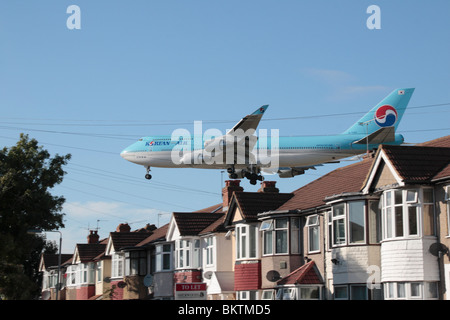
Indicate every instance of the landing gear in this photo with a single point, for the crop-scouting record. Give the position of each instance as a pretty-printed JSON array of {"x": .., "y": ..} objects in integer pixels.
[
  {"x": 253, "y": 174},
  {"x": 148, "y": 176}
]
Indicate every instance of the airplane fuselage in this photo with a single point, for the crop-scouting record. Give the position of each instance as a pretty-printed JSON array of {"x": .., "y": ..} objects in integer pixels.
[{"x": 156, "y": 151}]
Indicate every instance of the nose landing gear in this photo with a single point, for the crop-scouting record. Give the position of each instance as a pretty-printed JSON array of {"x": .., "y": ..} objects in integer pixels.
[{"x": 148, "y": 176}]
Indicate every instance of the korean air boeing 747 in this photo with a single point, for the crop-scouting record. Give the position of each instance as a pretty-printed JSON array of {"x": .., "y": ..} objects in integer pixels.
[{"x": 246, "y": 155}]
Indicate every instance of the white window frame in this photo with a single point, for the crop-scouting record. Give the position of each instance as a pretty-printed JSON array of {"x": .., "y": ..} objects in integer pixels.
[
  {"x": 313, "y": 225},
  {"x": 416, "y": 206},
  {"x": 209, "y": 250},
  {"x": 244, "y": 245},
  {"x": 162, "y": 251},
  {"x": 286, "y": 293},
  {"x": 117, "y": 265},
  {"x": 334, "y": 219},
  {"x": 268, "y": 294},
  {"x": 187, "y": 253}
]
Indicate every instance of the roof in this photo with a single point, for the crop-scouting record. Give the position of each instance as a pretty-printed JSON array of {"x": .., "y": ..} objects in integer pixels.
[
  {"x": 89, "y": 251},
  {"x": 217, "y": 208},
  {"x": 192, "y": 223},
  {"x": 439, "y": 142},
  {"x": 51, "y": 260},
  {"x": 252, "y": 203},
  {"x": 306, "y": 274},
  {"x": 417, "y": 164},
  {"x": 344, "y": 179},
  {"x": 122, "y": 240},
  {"x": 157, "y": 235}
]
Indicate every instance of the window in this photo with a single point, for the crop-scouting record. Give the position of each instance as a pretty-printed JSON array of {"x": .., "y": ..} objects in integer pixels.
[
  {"x": 411, "y": 290},
  {"x": 117, "y": 265},
  {"x": 99, "y": 271},
  {"x": 246, "y": 241},
  {"x": 163, "y": 257},
  {"x": 267, "y": 227},
  {"x": 286, "y": 294},
  {"x": 295, "y": 235},
  {"x": 374, "y": 221},
  {"x": 428, "y": 212},
  {"x": 187, "y": 253},
  {"x": 281, "y": 235},
  {"x": 136, "y": 263},
  {"x": 71, "y": 275},
  {"x": 247, "y": 295},
  {"x": 268, "y": 295},
  {"x": 209, "y": 250},
  {"x": 356, "y": 219},
  {"x": 338, "y": 224},
  {"x": 340, "y": 293},
  {"x": 401, "y": 213},
  {"x": 358, "y": 292},
  {"x": 309, "y": 293},
  {"x": 312, "y": 224}
]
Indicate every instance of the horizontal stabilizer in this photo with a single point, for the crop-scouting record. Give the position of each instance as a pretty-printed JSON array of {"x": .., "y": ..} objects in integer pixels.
[{"x": 382, "y": 135}]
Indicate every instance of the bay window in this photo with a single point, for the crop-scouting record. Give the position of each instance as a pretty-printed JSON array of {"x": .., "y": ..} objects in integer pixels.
[
  {"x": 408, "y": 213},
  {"x": 135, "y": 263},
  {"x": 187, "y": 253},
  {"x": 338, "y": 224},
  {"x": 281, "y": 236}
]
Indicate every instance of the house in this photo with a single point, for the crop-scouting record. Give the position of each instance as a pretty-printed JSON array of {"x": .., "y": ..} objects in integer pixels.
[
  {"x": 129, "y": 264},
  {"x": 411, "y": 184},
  {"x": 81, "y": 273},
  {"x": 242, "y": 221},
  {"x": 48, "y": 266}
]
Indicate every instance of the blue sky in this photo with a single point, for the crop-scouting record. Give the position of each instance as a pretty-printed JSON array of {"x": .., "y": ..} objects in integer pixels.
[{"x": 138, "y": 68}]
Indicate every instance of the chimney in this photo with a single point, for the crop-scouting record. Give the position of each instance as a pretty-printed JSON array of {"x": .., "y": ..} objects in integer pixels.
[
  {"x": 268, "y": 186},
  {"x": 92, "y": 237},
  {"x": 230, "y": 187},
  {"x": 123, "y": 227}
]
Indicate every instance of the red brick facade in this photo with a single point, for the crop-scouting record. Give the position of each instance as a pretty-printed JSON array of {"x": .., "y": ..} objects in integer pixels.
[
  {"x": 85, "y": 292},
  {"x": 187, "y": 276}
]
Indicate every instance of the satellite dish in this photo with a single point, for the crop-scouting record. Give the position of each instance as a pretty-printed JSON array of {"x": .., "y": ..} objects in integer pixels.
[
  {"x": 121, "y": 284},
  {"x": 148, "y": 280},
  {"x": 273, "y": 276},
  {"x": 437, "y": 249},
  {"x": 107, "y": 280},
  {"x": 45, "y": 295},
  {"x": 207, "y": 275}
]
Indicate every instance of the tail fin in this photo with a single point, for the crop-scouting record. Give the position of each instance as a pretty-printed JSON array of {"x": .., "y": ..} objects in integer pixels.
[{"x": 387, "y": 113}]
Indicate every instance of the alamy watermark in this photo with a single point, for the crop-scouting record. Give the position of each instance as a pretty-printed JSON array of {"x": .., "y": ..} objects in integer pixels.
[{"x": 236, "y": 147}]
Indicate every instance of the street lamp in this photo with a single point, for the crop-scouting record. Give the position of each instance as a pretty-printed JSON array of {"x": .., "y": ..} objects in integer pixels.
[{"x": 39, "y": 231}]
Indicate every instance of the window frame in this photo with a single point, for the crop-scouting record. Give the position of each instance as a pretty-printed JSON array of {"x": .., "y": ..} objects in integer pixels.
[
  {"x": 311, "y": 226},
  {"x": 247, "y": 246}
]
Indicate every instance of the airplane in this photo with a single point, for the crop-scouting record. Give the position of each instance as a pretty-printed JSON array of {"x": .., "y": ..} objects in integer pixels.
[{"x": 245, "y": 155}]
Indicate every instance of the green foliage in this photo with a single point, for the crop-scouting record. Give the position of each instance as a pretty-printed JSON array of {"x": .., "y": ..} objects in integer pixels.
[{"x": 27, "y": 173}]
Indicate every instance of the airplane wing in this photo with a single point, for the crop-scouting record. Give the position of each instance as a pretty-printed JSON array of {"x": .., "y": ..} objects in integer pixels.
[
  {"x": 241, "y": 137},
  {"x": 250, "y": 121}
]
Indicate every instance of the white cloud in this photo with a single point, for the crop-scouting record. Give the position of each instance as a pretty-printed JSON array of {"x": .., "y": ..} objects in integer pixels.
[
  {"x": 341, "y": 84},
  {"x": 106, "y": 216}
]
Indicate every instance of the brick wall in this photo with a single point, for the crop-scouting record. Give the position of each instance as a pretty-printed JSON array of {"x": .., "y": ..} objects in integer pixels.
[
  {"x": 85, "y": 292},
  {"x": 187, "y": 276}
]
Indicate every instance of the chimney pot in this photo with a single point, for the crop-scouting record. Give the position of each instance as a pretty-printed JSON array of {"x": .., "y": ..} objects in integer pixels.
[
  {"x": 92, "y": 237},
  {"x": 123, "y": 227},
  {"x": 227, "y": 192},
  {"x": 268, "y": 186}
]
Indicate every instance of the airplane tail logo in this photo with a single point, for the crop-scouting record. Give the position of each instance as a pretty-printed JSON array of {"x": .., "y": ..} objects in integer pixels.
[{"x": 386, "y": 116}]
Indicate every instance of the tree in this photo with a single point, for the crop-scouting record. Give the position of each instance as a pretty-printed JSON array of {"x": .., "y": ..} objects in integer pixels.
[{"x": 27, "y": 173}]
